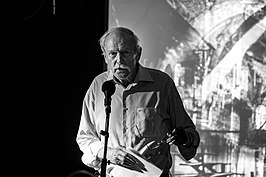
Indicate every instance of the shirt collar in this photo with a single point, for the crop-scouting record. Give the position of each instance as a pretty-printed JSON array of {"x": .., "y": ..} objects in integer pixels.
[{"x": 143, "y": 75}]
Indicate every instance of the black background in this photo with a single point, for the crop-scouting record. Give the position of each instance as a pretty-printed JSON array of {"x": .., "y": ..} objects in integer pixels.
[{"x": 48, "y": 63}]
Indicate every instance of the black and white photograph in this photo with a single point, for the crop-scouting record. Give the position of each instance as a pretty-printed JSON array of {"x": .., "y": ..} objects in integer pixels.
[{"x": 134, "y": 88}]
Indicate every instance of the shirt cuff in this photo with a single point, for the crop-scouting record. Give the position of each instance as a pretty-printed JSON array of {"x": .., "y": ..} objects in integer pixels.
[
  {"x": 193, "y": 138},
  {"x": 90, "y": 158},
  {"x": 95, "y": 148}
]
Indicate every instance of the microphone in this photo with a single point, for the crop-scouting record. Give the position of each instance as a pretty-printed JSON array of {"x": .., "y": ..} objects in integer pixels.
[{"x": 108, "y": 88}]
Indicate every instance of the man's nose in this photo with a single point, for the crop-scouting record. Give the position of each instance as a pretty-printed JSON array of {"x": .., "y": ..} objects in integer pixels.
[{"x": 119, "y": 58}]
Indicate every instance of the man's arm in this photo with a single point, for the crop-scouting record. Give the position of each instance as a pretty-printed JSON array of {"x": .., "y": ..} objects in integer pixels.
[
  {"x": 87, "y": 137},
  {"x": 184, "y": 133}
]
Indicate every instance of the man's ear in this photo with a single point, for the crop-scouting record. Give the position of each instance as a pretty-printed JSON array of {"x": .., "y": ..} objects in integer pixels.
[
  {"x": 105, "y": 58},
  {"x": 138, "y": 54}
]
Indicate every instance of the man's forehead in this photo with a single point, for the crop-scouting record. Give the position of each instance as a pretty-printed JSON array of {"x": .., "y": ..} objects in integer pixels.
[{"x": 116, "y": 39}]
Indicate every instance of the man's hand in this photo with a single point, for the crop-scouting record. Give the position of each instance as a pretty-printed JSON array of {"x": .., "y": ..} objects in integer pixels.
[
  {"x": 178, "y": 136},
  {"x": 118, "y": 156}
]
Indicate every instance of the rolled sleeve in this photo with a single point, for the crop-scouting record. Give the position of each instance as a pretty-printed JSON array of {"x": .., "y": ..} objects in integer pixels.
[
  {"x": 89, "y": 157},
  {"x": 189, "y": 150},
  {"x": 194, "y": 138}
]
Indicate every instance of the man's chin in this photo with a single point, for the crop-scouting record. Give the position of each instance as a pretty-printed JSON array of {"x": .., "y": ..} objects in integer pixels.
[{"x": 121, "y": 76}]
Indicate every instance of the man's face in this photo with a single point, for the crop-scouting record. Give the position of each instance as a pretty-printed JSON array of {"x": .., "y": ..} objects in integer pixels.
[{"x": 121, "y": 55}]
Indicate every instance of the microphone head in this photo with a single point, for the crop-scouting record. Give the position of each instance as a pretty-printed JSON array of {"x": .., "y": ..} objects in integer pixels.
[{"x": 108, "y": 87}]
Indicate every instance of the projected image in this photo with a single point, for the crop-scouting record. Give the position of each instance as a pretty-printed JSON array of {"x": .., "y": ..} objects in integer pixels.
[{"x": 215, "y": 50}]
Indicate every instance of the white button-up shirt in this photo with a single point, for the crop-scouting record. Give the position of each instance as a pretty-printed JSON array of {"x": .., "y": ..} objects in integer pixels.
[{"x": 141, "y": 115}]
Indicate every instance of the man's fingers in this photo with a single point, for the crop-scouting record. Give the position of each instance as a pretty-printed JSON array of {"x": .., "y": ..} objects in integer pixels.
[
  {"x": 123, "y": 158},
  {"x": 170, "y": 140},
  {"x": 127, "y": 163},
  {"x": 131, "y": 158},
  {"x": 128, "y": 160}
]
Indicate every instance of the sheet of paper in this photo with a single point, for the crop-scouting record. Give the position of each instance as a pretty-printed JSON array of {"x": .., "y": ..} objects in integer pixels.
[{"x": 142, "y": 168}]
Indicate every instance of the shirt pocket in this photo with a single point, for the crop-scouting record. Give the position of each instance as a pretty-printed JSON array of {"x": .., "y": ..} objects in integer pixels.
[{"x": 148, "y": 122}]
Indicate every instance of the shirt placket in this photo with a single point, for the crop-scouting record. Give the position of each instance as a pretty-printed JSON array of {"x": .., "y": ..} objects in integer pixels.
[
  {"x": 124, "y": 119},
  {"x": 126, "y": 116}
]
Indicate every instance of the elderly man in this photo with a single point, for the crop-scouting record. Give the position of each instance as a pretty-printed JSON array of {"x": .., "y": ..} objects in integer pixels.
[{"x": 147, "y": 112}]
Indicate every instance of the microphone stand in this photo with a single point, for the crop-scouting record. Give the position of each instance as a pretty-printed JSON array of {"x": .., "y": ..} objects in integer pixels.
[{"x": 107, "y": 103}]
